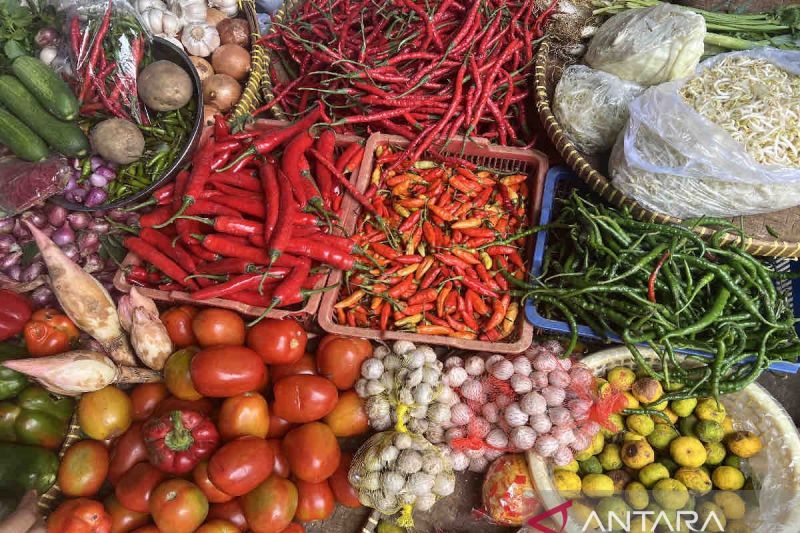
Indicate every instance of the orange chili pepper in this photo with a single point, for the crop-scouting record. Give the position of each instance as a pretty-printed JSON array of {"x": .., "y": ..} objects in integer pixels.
[
  {"x": 431, "y": 329},
  {"x": 376, "y": 303},
  {"x": 426, "y": 264},
  {"x": 515, "y": 179},
  {"x": 429, "y": 233},
  {"x": 340, "y": 317},
  {"x": 351, "y": 300},
  {"x": 442, "y": 297},
  {"x": 386, "y": 312},
  {"x": 468, "y": 257},
  {"x": 468, "y": 224},
  {"x": 467, "y": 335},
  {"x": 477, "y": 302},
  {"x": 423, "y": 297},
  {"x": 412, "y": 203}
]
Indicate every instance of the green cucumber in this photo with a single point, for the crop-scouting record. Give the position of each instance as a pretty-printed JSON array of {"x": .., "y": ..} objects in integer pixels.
[
  {"x": 20, "y": 139},
  {"x": 64, "y": 137},
  {"x": 47, "y": 86}
]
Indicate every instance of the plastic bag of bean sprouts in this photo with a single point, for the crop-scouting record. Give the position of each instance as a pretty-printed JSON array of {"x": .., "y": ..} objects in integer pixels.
[{"x": 723, "y": 142}]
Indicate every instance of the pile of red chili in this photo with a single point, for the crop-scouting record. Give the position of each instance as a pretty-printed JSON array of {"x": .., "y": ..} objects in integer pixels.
[
  {"x": 421, "y": 70},
  {"x": 448, "y": 241},
  {"x": 250, "y": 220}
]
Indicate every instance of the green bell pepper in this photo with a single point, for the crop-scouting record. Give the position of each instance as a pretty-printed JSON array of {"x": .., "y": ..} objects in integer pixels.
[
  {"x": 11, "y": 381},
  {"x": 23, "y": 468},
  {"x": 36, "y": 417}
]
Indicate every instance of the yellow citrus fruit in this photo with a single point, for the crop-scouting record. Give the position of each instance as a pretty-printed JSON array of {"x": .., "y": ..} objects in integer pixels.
[
  {"x": 633, "y": 403},
  {"x": 670, "y": 494},
  {"x": 652, "y": 474},
  {"x": 688, "y": 451},
  {"x": 662, "y": 436},
  {"x": 621, "y": 478},
  {"x": 568, "y": 484},
  {"x": 610, "y": 458},
  {"x": 637, "y": 454},
  {"x": 731, "y": 504},
  {"x": 708, "y": 431},
  {"x": 597, "y": 486},
  {"x": 710, "y": 409},
  {"x": 711, "y": 517},
  {"x": 744, "y": 444},
  {"x": 621, "y": 378},
  {"x": 636, "y": 495},
  {"x": 695, "y": 479},
  {"x": 641, "y": 424},
  {"x": 727, "y": 478},
  {"x": 572, "y": 466},
  {"x": 683, "y": 407},
  {"x": 716, "y": 453}
]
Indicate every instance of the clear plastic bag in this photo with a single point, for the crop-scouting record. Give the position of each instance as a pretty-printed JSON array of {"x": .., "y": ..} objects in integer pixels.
[
  {"x": 592, "y": 107},
  {"x": 649, "y": 46},
  {"x": 24, "y": 184},
  {"x": 673, "y": 160}
]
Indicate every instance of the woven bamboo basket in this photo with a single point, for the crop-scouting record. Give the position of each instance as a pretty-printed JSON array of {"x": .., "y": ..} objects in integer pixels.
[
  {"x": 757, "y": 229},
  {"x": 776, "y": 469},
  {"x": 251, "y": 92},
  {"x": 50, "y": 499},
  {"x": 272, "y": 64}
]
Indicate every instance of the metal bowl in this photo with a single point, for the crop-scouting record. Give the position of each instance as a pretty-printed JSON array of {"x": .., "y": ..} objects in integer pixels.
[{"x": 161, "y": 49}]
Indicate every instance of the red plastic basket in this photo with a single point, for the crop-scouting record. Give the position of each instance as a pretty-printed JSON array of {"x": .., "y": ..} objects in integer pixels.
[{"x": 499, "y": 158}]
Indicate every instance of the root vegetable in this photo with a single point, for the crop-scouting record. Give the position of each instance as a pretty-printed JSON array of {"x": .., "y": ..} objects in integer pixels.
[
  {"x": 221, "y": 91},
  {"x": 164, "y": 86},
  {"x": 149, "y": 336},
  {"x": 203, "y": 68},
  {"x": 118, "y": 140},
  {"x": 234, "y": 31}
]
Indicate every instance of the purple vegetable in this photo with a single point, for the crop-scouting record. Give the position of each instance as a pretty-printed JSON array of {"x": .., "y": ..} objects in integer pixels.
[
  {"x": 71, "y": 184},
  {"x": 105, "y": 172},
  {"x": 93, "y": 264},
  {"x": 10, "y": 260},
  {"x": 78, "y": 221},
  {"x": 88, "y": 242},
  {"x": 42, "y": 296},
  {"x": 46, "y": 37},
  {"x": 8, "y": 243},
  {"x": 6, "y": 225},
  {"x": 100, "y": 225},
  {"x": 97, "y": 180},
  {"x": 56, "y": 215},
  {"x": 117, "y": 215},
  {"x": 76, "y": 195},
  {"x": 71, "y": 251},
  {"x": 63, "y": 235},
  {"x": 33, "y": 271},
  {"x": 14, "y": 272},
  {"x": 21, "y": 232},
  {"x": 48, "y": 230},
  {"x": 132, "y": 220},
  {"x": 96, "y": 162},
  {"x": 37, "y": 218},
  {"x": 95, "y": 197}
]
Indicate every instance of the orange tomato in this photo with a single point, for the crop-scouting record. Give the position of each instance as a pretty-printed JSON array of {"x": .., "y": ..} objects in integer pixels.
[
  {"x": 123, "y": 520},
  {"x": 49, "y": 332},
  {"x": 213, "y": 327},
  {"x": 105, "y": 413},
  {"x": 177, "y": 376},
  {"x": 294, "y": 527},
  {"x": 79, "y": 516},
  {"x": 304, "y": 398},
  {"x": 349, "y": 417},
  {"x": 83, "y": 468},
  {"x": 145, "y": 398},
  {"x": 178, "y": 506},
  {"x": 278, "y": 341},
  {"x": 339, "y": 359},
  {"x": 240, "y": 465},
  {"x": 271, "y": 505},
  {"x": 218, "y": 526},
  {"x": 243, "y": 414},
  {"x": 315, "y": 501},
  {"x": 340, "y": 483},
  {"x": 312, "y": 451},
  {"x": 213, "y": 494},
  {"x": 178, "y": 321}
]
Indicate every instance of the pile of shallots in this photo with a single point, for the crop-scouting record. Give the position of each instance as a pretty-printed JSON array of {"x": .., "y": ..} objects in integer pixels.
[{"x": 516, "y": 403}]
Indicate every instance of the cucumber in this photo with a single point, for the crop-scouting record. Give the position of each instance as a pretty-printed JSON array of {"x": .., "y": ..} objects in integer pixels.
[
  {"x": 63, "y": 137},
  {"x": 20, "y": 139},
  {"x": 48, "y": 88}
]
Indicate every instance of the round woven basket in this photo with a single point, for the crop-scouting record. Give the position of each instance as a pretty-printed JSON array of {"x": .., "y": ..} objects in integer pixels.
[
  {"x": 272, "y": 66},
  {"x": 757, "y": 228},
  {"x": 776, "y": 469},
  {"x": 251, "y": 92},
  {"x": 50, "y": 499}
]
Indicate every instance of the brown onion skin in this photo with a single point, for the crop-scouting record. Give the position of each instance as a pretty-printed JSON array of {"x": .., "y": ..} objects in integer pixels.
[
  {"x": 231, "y": 59},
  {"x": 221, "y": 91},
  {"x": 203, "y": 68},
  {"x": 234, "y": 31}
]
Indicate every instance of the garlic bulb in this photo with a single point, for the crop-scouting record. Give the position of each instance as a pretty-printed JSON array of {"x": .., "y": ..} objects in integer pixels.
[
  {"x": 144, "y": 5},
  {"x": 490, "y": 412},
  {"x": 420, "y": 483},
  {"x": 444, "y": 485},
  {"x": 539, "y": 379},
  {"x": 409, "y": 462},
  {"x": 372, "y": 368},
  {"x": 514, "y": 416},
  {"x": 554, "y": 396},
  {"x": 502, "y": 370},
  {"x": 479, "y": 464},
  {"x": 563, "y": 456},
  {"x": 48, "y": 54},
  {"x": 521, "y": 384},
  {"x": 456, "y": 376},
  {"x": 381, "y": 351},
  {"x": 540, "y": 423},
  {"x": 361, "y": 388},
  {"x": 439, "y": 413},
  {"x": 190, "y": 11},
  {"x": 522, "y": 438},
  {"x": 533, "y": 403},
  {"x": 460, "y": 414},
  {"x": 474, "y": 366},
  {"x": 425, "y": 502},
  {"x": 393, "y": 481},
  {"x": 472, "y": 390},
  {"x": 497, "y": 438},
  {"x": 401, "y": 347},
  {"x": 414, "y": 359},
  {"x": 479, "y": 427},
  {"x": 559, "y": 378},
  {"x": 200, "y": 39},
  {"x": 453, "y": 361},
  {"x": 389, "y": 454},
  {"x": 459, "y": 461},
  {"x": 454, "y": 433},
  {"x": 522, "y": 365},
  {"x": 546, "y": 445},
  {"x": 559, "y": 416},
  {"x": 229, "y": 7},
  {"x": 377, "y": 407},
  {"x": 161, "y": 22},
  {"x": 392, "y": 362},
  {"x": 493, "y": 359},
  {"x": 374, "y": 387},
  {"x": 403, "y": 441}
]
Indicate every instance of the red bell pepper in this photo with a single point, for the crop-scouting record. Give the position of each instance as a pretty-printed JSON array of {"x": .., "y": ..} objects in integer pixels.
[
  {"x": 178, "y": 440},
  {"x": 15, "y": 311}
]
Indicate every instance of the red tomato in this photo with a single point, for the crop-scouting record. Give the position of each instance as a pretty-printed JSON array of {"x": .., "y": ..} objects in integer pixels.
[
  {"x": 230, "y": 511},
  {"x": 224, "y": 371},
  {"x": 339, "y": 359},
  {"x": 294, "y": 528},
  {"x": 340, "y": 484},
  {"x": 135, "y": 487},
  {"x": 278, "y": 341},
  {"x": 218, "y": 326},
  {"x": 203, "y": 405},
  {"x": 178, "y": 506},
  {"x": 348, "y": 418},
  {"x": 304, "y": 398},
  {"x": 312, "y": 451},
  {"x": 244, "y": 414},
  {"x": 83, "y": 468},
  {"x": 213, "y": 494},
  {"x": 218, "y": 526},
  {"x": 306, "y": 365},
  {"x": 79, "y": 516},
  {"x": 123, "y": 520},
  {"x": 49, "y": 332},
  {"x": 148, "y": 529},
  {"x": 126, "y": 451},
  {"x": 240, "y": 465},
  {"x": 145, "y": 398},
  {"x": 269, "y": 508},
  {"x": 278, "y": 427},
  {"x": 177, "y": 376},
  {"x": 178, "y": 322},
  {"x": 281, "y": 467},
  {"x": 315, "y": 501}
]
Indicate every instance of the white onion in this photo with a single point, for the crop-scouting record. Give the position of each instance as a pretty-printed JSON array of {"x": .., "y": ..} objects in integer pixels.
[
  {"x": 563, "y": 456},
  {"x": 533, "y": 403},
  {"x": 452, "y": 361},
  {"x": 472, "y": 390},
  {"x": 546, "y": 362},
  {"x": 514, "y": 415},
  {"x": 539, "y": 379},
  {"x": 493, "y": 359},
  {"x": 497, "y": 438},
  {"x": 540, "y": 423},
  {"x": 502, "y": 370},
  {"x": 456, "y": 376},
  {"x": 522, "y": 366},
  {"x": 454, "y": 433},
  {"x": 554, "y": 396},
  {"x": 522, "y": 438},
  {"x": 559, "y": 416},
  {"x": 559, "y": 378},
  {"x": 521, "y": 384},
  {"x": 546, "y": 445},
  {"x": 563, "y": 434},
  {"x": 474, "y": 365},
  {"x": 460, "y": 414},
  {"x": 490, "y": 412}
]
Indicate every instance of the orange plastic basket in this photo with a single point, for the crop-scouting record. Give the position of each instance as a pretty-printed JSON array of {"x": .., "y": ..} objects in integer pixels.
[{"x": 498, "y": 158}]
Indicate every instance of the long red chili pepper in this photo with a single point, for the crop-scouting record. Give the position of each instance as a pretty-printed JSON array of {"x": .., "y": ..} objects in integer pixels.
[
  {"x": 166, "y": 265},
  {"x": 651, "y": 281},
  {"x": 289, "y": 291},
  {"x": 229, "y": 265},
  {"x": 293, "y": 164},
  {"x": 269, "y": 182},
  {"x": 240, "y": 283},
  {"x": 326, "y": 144},
  {"x": 283, "y": 230},
  {"x": 201, "y": 170},
  {"x": 344, "y": 182}
]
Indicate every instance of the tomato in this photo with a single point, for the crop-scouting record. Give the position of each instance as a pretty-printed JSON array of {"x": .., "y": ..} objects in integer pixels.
[
  {"x": 224, "y": 371},
  {"x": 218, "y": 326},
  {"x": 123, "y": 520},
  {"x": 315, "y": 501},
  {"x": 349, "y": 417},
  {"x": 269, "y": 508},
  {"x": 340, "y": 484},
  {"x": 213, "y": 494},
  {"x": 244, "y": 414},
  {"x": 135, "y": 487},
  {"x": 240, "y": 465},
  {"x": 126, "y": 451},
  {"x": 105, "y": 414},
  {"x": 145, "y": 398},
  {"x": 203, "y": 405},
  {"x": 304, "y": 398},
  {"x": 339, "y": 359},
  {"x": 305, "y": 365},
  {"x": 278, "y": 341},
  {"x": 312, "y": 451},
  {"x": 49, "y": 332},
  {"x": 278, "y": 427},
  {"x": 83, "y": 468},
  {"x": 79, "y": 516},
  {"x": 230, "y": 511},
  {"x": 218, "y": 526},
  {"x": 147, "y": 529},
  {"x": 178, "y": 506},
  {"x": 177, "y": 377},
  {"x": 178, "y": 322},
  {"x": 294, "y": 528},
  {"x": 281, "y": 466}
]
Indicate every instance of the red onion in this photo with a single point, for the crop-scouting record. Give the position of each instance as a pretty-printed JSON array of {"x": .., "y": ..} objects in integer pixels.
[
  {"x": 46, "y": 36},
  {"x": 95, "y": 197},
  {"x": 36, "y": 218},
  {"x": 99, "y": 225},
  {"x": 88, "y": 242},
  {"x": 133, "y": 219},
  {"x": 93, "y": 264},
  {"x": 10, "y": 260},
  {"x": 97, "y": 181},
  {"x": 6, "y": 225},
  {"x": 7, "y": 243},
  {"x": 105, "y": 172},
  {"x": 56, "y": 215},
  {"x": 63, "y": 235},
  {"x": 21, "y": 232},
  {"x": 42, "y": 296},
  {"x": 88, "y": 343},
  {"x": 71, "y": 251},
  {"x": 71, "y": 184},
  {"x": 76, "y": 195},
  {"x": 48, "y": 230},
  {"x": 33, "y": 271},
  {"x": 96, "y": 162},
  {"x": 78, "y": 221},
  {"x": 14, "y": 272},
  {"x": 117, "y": 215}
]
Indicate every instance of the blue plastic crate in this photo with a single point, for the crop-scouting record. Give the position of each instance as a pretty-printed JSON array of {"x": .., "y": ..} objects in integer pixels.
[{"x": 560, "y": 180}]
